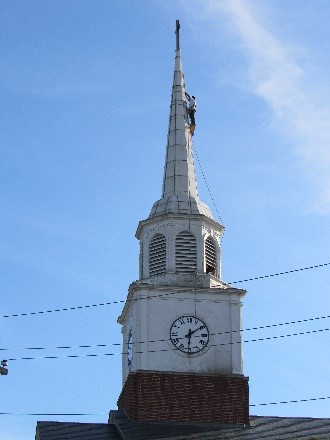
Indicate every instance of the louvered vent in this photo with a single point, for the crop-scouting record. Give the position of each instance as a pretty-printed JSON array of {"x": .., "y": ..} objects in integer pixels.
[
  {"x": 157, "y": 255},
  {"x": 185, "y": 252},
  {"x": 210, "y": 256},
  {"x": 141, "y": 260}
]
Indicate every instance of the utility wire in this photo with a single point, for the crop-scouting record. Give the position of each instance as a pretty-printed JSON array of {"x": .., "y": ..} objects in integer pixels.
[
  {"x": 172, "y": 349},
  {"x": 41, "y": 312},
  {"x": 280, "y": 324},
  {"x": 64, "y": 309},
  {"x": 52, "y": 414},
  {"x": 281, "y": 273},
  {"x": 312, "y": 399}
]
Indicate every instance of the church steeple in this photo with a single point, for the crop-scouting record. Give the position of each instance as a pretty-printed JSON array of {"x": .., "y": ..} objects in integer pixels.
[
  {"x": 182, "y": 355},
  {"x": 180, "y": 193}
]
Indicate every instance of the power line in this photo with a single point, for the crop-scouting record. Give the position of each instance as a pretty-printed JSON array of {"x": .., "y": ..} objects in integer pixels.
[
  {"x": 88, "y": 306},
  {"x": 312, "y": 399},
  {"x": 281, "y": 273},
  {"x": 261, "y": 327},
  {"x": 52, "y": 414},
  {"x": 62, "y": 347},
  {"x": 64, "y": 309},
  {"x": 172, "y": 349}
]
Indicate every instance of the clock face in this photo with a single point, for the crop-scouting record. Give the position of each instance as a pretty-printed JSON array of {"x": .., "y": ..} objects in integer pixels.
[{"x": 189, "y": 334}]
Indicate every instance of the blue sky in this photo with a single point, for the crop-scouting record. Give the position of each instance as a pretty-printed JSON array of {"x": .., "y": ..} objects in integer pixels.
[{"x": 85, "y": 92}]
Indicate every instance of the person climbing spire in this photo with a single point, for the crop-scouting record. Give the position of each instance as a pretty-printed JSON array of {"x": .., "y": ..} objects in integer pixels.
[{"x": 192, "y": 106}]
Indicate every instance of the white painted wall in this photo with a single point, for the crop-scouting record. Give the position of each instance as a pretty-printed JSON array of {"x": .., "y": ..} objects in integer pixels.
[{"x": 150, "y": 317}]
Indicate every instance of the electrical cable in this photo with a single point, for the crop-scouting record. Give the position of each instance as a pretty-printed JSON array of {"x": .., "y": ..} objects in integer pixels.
[
  {"x": 15, "y": 315},
  {"x": 172, "y": 349},
  {"x": 262, "y": 327},
  {"x": 52, "y": 414},
  {"x": 281, "y": 273},
  {"x": 312, "y": 399}
]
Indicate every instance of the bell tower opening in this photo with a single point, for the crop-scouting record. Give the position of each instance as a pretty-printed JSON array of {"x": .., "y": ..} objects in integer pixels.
[
  {"x": 185, "y": 252},
  {"x": 157, "y": 255},
  {"x": 211, "y": 258}
]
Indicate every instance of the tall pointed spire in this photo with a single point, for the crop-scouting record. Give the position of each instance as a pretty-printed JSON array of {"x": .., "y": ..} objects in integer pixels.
[{"x": 180, "y": 193}]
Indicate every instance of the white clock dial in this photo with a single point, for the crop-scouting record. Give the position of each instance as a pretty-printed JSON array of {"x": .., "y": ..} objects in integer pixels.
[{"x": 189, "y": 334}]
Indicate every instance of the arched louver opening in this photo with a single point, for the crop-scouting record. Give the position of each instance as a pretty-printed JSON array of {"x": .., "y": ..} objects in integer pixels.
[
  {"x": 211, "y": 260},
  {"x": 141, "y": 260},
  {"x": 185, "y": 252},
  {"x": 157, "y": 255}
]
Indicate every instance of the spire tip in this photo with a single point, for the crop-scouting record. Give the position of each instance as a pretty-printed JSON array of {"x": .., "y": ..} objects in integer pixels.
[{"x": 177, "y": 31}]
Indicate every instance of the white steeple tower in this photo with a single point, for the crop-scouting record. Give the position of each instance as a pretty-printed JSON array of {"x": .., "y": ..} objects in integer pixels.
[
  {"x": 181, "y": 324},
  {"x": 197, "y": 249}
]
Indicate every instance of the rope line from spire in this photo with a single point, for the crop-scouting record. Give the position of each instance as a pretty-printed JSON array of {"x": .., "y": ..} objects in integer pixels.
[{"x": 207, "y": 186}]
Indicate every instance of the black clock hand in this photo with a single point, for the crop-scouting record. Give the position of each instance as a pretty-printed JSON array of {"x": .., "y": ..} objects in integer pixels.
[
  {"x": 199, "y": 328},
  {"x": 189, "y": 336}
]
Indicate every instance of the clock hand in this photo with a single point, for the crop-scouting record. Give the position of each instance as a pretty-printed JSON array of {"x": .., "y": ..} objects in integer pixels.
[
  {"x": 199, "y": 328},
  {"x": 189, "y": 336}
]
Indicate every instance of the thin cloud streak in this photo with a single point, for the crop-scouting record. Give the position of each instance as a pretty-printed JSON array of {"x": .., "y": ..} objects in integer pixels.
[{"x": 301, "y": 110}]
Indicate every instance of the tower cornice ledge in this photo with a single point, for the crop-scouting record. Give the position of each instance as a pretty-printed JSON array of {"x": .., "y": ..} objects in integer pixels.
[
  {"x": 175, "y": 216},
  {"x": 182, "y": 281},
  {"x": 139, "y": 290},
  {"x": 220, "y": 289}
]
